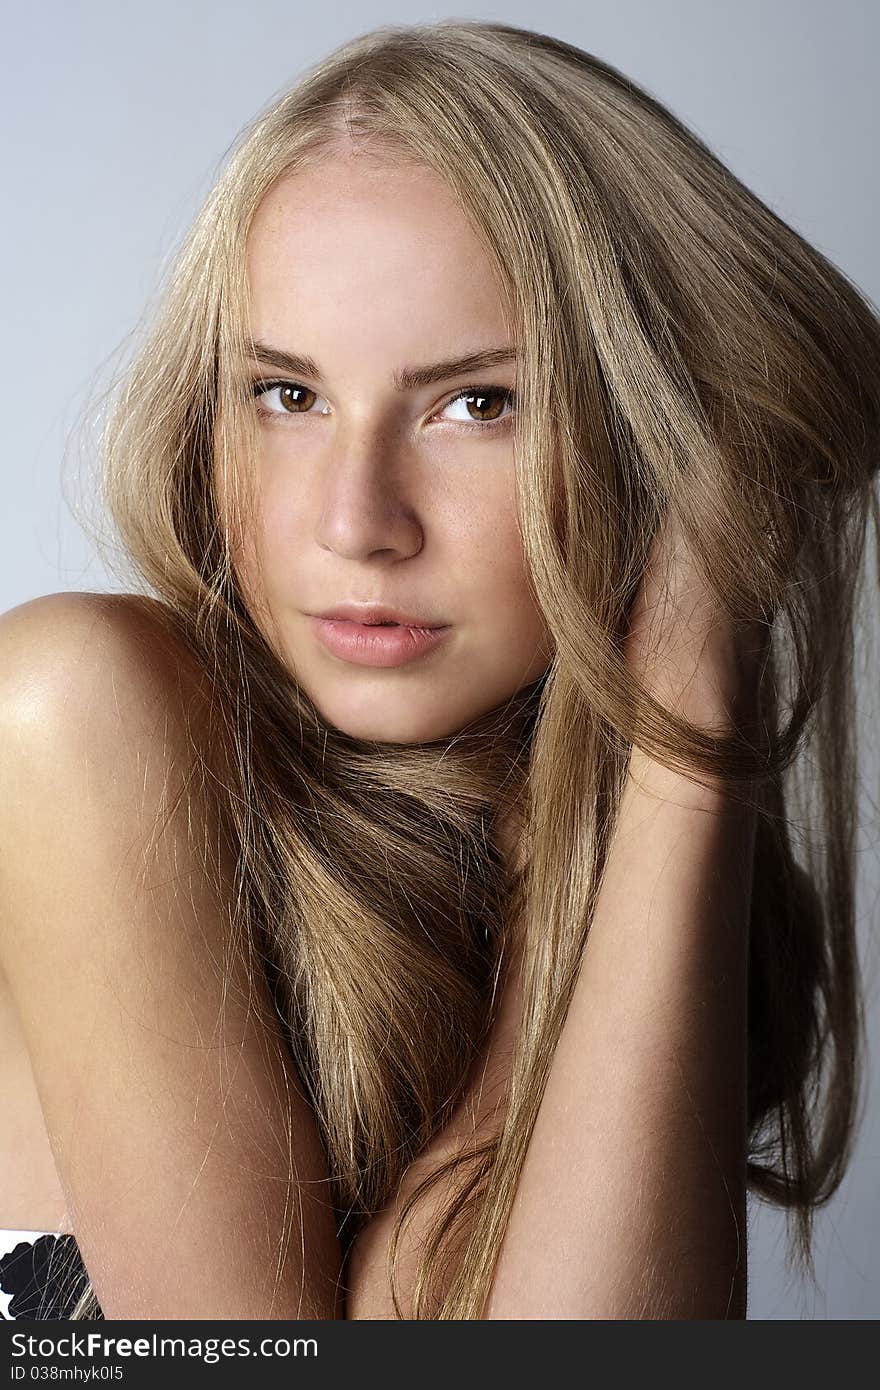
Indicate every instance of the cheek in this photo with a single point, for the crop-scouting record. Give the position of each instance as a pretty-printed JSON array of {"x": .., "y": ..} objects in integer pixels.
[
  {"x": 495, "y": 547},
  {"x": 247, "y": 515},
  {"x": 273, "y": 537},
  {"x": 500, "y": 582},
  {"x": 252, "y": 550}
]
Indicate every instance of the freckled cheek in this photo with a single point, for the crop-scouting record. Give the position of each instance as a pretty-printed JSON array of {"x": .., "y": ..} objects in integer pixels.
[
  {"x": 492, "y": 586},
  {"x": 511, "y": 580},
  {"x": 490, "y": 548},
  {"x": 265, "y": 555},
  {"x": 278, "y": 524},
  {"x": 278, "y": 527}
]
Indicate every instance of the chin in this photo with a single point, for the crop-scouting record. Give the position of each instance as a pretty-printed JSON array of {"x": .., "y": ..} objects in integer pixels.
[{"x": 382, "y": 726}]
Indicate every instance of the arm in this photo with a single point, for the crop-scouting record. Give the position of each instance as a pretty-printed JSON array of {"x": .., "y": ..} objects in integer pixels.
[
  {"x": 641, "y": 1134},
  {"x": 172, "y": 1109}
]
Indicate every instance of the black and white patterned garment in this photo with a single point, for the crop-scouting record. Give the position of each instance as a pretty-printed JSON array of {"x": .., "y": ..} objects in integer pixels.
[{"x": 41, "y": 1275}]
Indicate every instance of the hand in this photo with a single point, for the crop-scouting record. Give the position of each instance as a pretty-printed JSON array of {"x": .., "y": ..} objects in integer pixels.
[{"x": 684, "y": 647}]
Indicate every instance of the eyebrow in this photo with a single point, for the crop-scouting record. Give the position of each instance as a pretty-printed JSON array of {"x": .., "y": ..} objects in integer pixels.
[{"x": 408, "y": 379}]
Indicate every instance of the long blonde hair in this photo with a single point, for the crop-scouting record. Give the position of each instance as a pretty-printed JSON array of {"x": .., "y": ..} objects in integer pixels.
[{"x": 682, "y": 350}]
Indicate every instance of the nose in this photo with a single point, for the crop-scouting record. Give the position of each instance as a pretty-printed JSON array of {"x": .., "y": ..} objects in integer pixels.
[{"x": 367, "y": 505}]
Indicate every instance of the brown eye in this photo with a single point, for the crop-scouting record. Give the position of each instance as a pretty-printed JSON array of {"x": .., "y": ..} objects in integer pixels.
[
  {"x": 494, "y": 407},
  {"x": 289, "y": 391},
  {"x": 295, "y": 399},
  {"x": 484, "y": 404}
]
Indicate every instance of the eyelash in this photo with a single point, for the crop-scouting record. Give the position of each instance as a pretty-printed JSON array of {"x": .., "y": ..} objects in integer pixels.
[{"x": 262, "y": 388}]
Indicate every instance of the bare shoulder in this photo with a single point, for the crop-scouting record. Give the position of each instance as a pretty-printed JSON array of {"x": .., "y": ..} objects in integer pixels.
[
  {"x": 177, "y": 1121},
  {"x": 76, "y": 661},
  {"x": 71, "y": 617},
  {"x": 100, "y": 680},
  {"x": 100, "y": 731}
]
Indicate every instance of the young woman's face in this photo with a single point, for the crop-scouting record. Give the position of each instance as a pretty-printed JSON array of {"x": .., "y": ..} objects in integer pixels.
[{"x": 372, "y": 494}]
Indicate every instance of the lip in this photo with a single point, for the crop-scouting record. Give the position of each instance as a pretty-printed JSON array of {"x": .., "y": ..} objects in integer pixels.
[
  {"x": 363, "y": 644},
  {"x": 377, "y": 613}
]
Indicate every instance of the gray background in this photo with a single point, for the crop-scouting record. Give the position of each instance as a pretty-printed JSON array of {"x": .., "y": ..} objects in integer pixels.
[{"x": 118, "y": 116}]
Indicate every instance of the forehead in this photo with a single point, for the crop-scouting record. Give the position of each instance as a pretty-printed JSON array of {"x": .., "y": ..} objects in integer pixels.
[
  {"x": 374, "y": 253},
  {"x": 390, "y": 197}
]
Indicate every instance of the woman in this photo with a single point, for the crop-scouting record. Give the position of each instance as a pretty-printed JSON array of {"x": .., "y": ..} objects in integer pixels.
[{"x": 357, "y": 936}]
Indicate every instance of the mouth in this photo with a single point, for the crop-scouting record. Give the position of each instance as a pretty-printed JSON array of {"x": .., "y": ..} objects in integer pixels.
[
  {"x": 378, "y": 615},
  {"x": 381, "y": 644}
]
